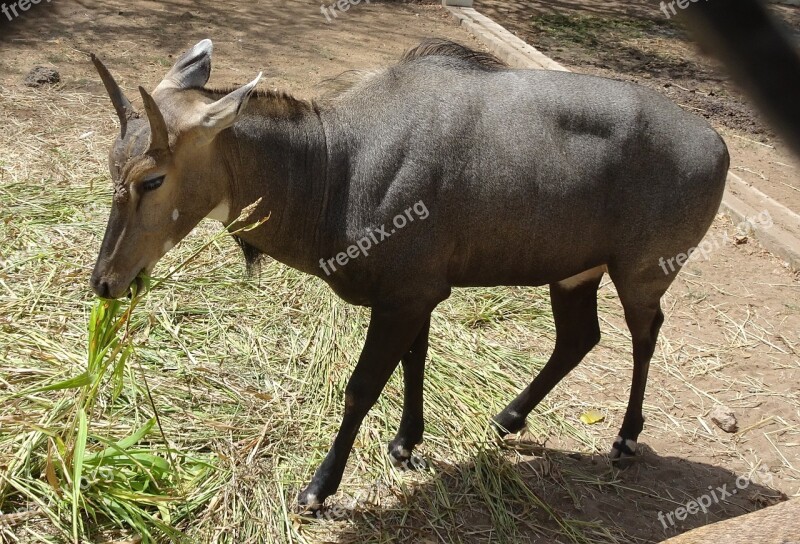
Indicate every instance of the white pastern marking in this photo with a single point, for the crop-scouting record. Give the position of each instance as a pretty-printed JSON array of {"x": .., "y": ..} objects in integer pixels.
[
  {"x": 401, "y": 453},
  {"x": 312, "y": 501},
  {"x": 221, "y": 212},
  {"x": 616, "y": 452},
  {"x": 175, "y": 214}
]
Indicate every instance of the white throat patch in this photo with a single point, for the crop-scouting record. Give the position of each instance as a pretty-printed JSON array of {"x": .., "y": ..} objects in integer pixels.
[{"x": 175, "y": 214}]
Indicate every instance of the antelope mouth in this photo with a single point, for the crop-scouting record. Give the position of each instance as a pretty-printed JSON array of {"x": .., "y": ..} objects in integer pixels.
[
  {"x": 136, "y": 286},
  {"x": 139, "y": 284}
]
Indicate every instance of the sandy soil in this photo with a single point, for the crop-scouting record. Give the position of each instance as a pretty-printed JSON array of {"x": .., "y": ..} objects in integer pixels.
[
  {"x": 292, "y": 42},
  {"x": 732, "y": 332}
]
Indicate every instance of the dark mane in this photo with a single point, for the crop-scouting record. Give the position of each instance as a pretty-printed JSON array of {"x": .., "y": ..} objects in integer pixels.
[
  {"x": 274, "y": 103},
  {"x": 445, "y": 48}
]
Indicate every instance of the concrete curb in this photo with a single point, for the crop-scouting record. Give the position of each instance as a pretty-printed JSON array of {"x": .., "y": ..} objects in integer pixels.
[
  {"x": 502, "y": 43},
  {"x": 740, "y": 202}
]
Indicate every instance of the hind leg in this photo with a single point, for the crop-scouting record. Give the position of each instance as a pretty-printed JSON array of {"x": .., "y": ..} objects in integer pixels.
[
  {"x": 643, "y": 315},
  {"x": 574, "y": 303}
]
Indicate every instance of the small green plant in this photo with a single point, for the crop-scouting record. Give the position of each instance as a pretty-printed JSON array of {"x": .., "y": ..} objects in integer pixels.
[
  {"x": 591, "y": 30},
  {"x": 93, "y": 477}
]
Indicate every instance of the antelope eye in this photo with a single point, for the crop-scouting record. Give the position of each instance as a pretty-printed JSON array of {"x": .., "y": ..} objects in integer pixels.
[{"x": 152, "y": 184}]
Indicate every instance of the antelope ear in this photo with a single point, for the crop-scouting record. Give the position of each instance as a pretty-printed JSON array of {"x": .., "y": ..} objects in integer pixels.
[
  {"x": 223, "y": 113},
  {"x": 193, "y": 68}
]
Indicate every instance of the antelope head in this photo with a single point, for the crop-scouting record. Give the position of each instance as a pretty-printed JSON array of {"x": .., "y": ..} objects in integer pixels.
[{"x": 166, "y": 175}]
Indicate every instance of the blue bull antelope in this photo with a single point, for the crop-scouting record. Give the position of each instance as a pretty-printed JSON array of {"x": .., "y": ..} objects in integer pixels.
[{"x": 526, "y": 177}]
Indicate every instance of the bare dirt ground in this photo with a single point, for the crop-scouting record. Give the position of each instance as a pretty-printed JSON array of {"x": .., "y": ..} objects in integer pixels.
[
  {"x": 293, "y": 43},
  {"x": 732, "y": 332},
  {"x": 634, "y": 41}
]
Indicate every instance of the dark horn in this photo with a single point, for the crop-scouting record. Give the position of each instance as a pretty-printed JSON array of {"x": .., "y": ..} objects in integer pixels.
[
  {"x": 121, "y": 104},
  {"x": 159, "y": 137}
]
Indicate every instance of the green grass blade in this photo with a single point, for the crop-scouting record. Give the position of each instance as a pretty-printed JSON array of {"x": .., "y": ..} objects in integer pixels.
[
  {"x": 121, "y": 447},
  {"x": 77, "y": 474},
  {"x": 81, "y": 380}
]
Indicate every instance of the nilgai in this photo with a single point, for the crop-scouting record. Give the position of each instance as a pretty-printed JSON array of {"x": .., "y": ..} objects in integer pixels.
[{"x": 515, "y": 177}]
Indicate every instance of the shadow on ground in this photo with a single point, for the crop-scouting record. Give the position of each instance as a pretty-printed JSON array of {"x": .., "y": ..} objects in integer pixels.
[{"x": 592, "y": 498}]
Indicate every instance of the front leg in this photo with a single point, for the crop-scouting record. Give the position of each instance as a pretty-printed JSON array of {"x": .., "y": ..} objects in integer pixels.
[
  {"x": 389, "y": 337},
  {"x": 412, "y": 424}
]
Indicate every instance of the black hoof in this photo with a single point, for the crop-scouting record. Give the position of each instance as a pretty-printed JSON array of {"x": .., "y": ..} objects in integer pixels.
[
  {"x": 623, "y": 452},
  {"x": 404, "y": 458},
  {"x": 508, "y": 423},
  {"x": 399, "y": 454},
  {"x": 308, "y": 503}
]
